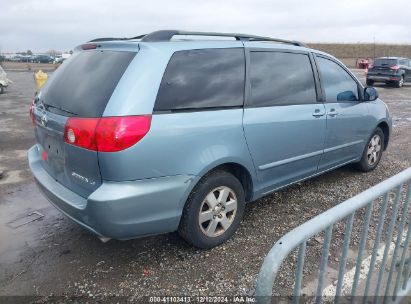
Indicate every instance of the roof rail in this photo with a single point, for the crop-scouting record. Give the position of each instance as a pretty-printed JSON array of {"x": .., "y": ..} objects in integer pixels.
[{"x": 167, "y": 35}]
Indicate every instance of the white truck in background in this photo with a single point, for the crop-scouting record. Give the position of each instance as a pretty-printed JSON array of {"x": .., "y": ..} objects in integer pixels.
[{"x": 61, "y": 58}]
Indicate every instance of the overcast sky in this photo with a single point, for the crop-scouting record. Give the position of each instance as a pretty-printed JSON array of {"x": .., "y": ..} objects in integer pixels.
[{"x": 41, "y": 25}]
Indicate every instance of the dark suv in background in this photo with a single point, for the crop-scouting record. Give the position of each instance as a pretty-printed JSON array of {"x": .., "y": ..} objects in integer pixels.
[{"x": 394, "y": 70}]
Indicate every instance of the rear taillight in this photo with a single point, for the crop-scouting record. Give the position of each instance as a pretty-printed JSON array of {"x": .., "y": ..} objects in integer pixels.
[
  {"x": 81, "y": 132},
  {"x": 119, "y": 133},
  {"x": 106, "y": 134},
  {"x": 394, "y": 67},
  {"x": 31, "y": 111}
]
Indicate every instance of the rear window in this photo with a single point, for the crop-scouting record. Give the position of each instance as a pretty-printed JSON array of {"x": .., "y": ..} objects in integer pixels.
[
  {"x": 83, "y": 84},
  {"x": 201, "y": 79},
  {"x": 385, "y": 62}
]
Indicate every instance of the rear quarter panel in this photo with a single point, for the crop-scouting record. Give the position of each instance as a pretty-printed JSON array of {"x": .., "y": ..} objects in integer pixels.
[{"x": 181, "y": 143}]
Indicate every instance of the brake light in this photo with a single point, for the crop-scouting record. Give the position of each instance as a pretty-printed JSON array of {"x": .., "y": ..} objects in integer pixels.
[
  {"x": 31, "y": 111},
  {"x": 106, "y": 134},
  {"x": 395, "y": 67},
  {"x": 89, "y": 46},
  {"x": 81, "y": 132},
  {"x": 119, "y": 133}
]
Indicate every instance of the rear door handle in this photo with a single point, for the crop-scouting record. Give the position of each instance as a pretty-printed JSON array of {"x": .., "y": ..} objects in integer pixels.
[
  {"x": 332, "y": 113},
  {"x": 318, "y": 113}
]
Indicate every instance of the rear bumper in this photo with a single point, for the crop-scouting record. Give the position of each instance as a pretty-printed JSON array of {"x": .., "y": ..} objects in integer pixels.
[
  {"x": 383, "y": 78},
  {"x": 119, "y": 210}
]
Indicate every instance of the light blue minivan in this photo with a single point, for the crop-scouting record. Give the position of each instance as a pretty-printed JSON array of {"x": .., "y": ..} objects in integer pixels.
[{"x": 176, "y": 131}]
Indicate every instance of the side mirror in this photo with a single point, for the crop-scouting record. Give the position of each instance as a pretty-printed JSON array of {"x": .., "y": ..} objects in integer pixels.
[
  {"x": 346, "y": 96},
  {"x": 370, "y": 94}
]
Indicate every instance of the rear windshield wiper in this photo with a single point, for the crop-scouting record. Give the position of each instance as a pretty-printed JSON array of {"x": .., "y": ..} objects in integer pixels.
[{"x": 47, "y": 106}]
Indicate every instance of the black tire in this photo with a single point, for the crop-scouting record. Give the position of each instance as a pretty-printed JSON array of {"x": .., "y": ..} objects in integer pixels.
[
  {"x": 190, "y": 229},
  {"x": 1, "y": 89},
  {"x": 399, "y": 83},
  {"x": 370, "y": 82},
  {"x": 364, "y": 164}
]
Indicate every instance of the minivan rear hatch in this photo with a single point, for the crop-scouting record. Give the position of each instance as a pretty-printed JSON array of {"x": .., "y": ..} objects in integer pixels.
[{"x": 80, "y": 87}]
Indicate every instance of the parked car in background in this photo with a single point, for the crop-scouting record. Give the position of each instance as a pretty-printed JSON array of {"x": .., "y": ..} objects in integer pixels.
[
  {"x": 390, "y": 70},
  {"x": 16, "y": 58},
  {"x": 42, "y": 59},
  {"x": 26, "y": 58},
  {"x": 177, "y": 135},
  {"x": 20, "y": 58},
  {"x": 363, "y": 63},
  {"x": 58, "y": 59}
]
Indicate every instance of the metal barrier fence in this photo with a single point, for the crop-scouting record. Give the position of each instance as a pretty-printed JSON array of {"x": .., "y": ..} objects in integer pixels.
[{"x": 390, "y": 281}]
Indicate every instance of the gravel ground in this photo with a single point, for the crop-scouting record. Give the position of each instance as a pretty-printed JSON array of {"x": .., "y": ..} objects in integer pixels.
[{"x": 53, "y": 256}]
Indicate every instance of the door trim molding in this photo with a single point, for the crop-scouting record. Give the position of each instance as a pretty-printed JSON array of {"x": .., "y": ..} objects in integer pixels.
[
  {"x": 308, "y": 177},
  {"x": 289, "y": 160},
  {"x": 343, "y": 146},
  {"x": 300, "y": 157}
]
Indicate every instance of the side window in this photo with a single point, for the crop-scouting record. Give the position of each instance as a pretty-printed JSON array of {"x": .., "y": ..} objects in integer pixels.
[
  {"x": 403, "y": 62},
  {"x": 279, "y": 78},
  {"x": 338, "y": 85},
  {"x": 204, "y": 78}
]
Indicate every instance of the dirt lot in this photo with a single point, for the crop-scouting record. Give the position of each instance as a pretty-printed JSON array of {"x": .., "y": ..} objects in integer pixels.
[{"x": 53, "y": 256}]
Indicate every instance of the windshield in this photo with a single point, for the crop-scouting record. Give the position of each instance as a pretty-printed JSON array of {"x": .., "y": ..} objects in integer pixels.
[
  {"x": 84, "y": 83},
  {"x": 385, "y": 62}
]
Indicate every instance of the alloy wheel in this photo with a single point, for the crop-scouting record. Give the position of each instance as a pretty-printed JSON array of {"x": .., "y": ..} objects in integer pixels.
[
  {"x": 217, "y": 211},
  {"x": 374, "y": 149}
]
